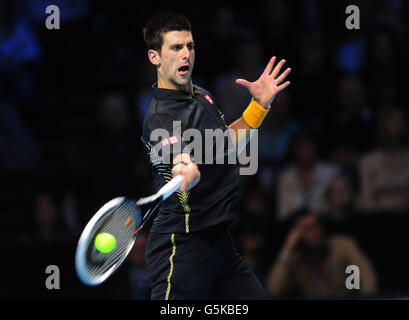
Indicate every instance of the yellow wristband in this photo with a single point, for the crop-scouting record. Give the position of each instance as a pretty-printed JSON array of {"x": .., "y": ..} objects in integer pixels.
[{"x": 255, "y": 114}]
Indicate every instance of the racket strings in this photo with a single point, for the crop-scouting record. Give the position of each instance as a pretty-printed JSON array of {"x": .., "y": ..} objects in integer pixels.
[
  {"x": 123, "y": 219},
  {"x": 121, "y": 222}
]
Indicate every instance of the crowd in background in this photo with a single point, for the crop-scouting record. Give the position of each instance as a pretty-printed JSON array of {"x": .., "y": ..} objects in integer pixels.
[{"x": 332, "y": 187}]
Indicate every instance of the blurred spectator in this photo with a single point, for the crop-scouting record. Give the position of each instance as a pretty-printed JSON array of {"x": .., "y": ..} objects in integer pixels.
[
  {"x": 385, "y": 171},
  {"x": 254, "y": 203},
  {"x": 139, "y": 279},
  {"x": 114, "y": 115},
  {"x": 249, "y": 64},
  {"x": 348, "y": 132},
  {"x": 50, "y": 226},
  {"x": 220, "y": 35},
  {"x": 339, "y": 198},
  {"x": 251, "y": 241},
  {"x": 278, "y": 129},
  {"x": 384, "y": 64},
  {"x": 112, "y": 158},
  {"x": 312, "y": 264},
  {"x": 313, "y": 76},
  {"x": 70, "y": 212},
  {"x": 274, "y": 141},
  {"x": 303, "y": 184}
]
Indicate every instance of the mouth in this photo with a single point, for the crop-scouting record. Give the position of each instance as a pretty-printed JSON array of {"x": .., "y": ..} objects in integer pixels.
[{"x": 183, "y": 70}]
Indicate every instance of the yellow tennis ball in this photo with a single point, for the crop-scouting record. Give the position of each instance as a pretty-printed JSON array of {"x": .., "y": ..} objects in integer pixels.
[{"x": 105, "y": 242}]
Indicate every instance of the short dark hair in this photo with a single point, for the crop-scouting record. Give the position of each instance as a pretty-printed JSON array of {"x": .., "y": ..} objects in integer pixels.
[{"x": 152, "y": 33}]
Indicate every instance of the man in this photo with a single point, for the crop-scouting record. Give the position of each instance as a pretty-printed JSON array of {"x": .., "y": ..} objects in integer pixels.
[{"x": 190, "y": 254}]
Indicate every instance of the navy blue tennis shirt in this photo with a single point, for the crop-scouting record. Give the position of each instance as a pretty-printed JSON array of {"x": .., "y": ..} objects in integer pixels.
[{"x": 209, "y": 202}]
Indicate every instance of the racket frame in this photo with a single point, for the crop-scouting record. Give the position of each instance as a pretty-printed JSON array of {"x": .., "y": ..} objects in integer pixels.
[{"x": 80, "y": 255}]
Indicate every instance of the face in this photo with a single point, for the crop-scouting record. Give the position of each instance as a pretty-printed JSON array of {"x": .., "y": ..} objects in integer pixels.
[
  {"x": 175, "y": 60},
  {"x": 45, "y": 211},
  {"x": 114, "y": 113},
  {"x": 394, "y": 124},
  {"x": 340, "y": 192},
  {"x": 312, "y": 233},
  {"x": 351, "y": 94},
  {"x": 305, "y": 150}
]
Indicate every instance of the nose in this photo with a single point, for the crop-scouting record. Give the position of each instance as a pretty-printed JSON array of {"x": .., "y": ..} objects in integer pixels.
[{"x": 186, "y": 53}]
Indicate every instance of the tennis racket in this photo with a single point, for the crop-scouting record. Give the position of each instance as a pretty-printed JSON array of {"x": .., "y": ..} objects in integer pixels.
[{"x": 122, "y": 218}]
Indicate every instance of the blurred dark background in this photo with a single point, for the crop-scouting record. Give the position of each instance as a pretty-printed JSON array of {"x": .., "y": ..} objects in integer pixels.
[{"x": 72, "y": 103}]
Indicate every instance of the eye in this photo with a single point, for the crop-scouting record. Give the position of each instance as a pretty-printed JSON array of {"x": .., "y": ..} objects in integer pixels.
[
  {"x": 191, "y": 46},
  {"x": 177, "y": 47}
]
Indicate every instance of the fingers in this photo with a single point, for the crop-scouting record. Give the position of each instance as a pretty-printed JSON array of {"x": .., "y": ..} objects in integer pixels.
[
  {"x": 269, "y": 67},
  {"x": 243, "y": 83},
  {"x": 283, "y": 86},
  {"x": 190, "y": 173},
  {"x": 277, "y": 68},
  {"x": 283, "y": 76},
  {"x": 177, "y": 169},
  {"x": 193, "y": 175}
]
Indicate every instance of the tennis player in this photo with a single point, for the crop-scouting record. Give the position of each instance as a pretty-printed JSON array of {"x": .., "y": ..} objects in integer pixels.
[{"x": 190, "y": 252}]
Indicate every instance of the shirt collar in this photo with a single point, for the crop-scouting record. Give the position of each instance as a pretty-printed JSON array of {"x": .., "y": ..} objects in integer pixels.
[{"x": 172, "y": 94}]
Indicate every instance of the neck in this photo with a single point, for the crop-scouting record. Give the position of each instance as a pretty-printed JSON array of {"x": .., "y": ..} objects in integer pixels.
[{"x": 163, "y": 84}]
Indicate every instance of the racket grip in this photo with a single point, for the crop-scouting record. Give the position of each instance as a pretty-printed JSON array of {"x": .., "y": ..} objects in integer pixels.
[{"x": 169, "y": 188}]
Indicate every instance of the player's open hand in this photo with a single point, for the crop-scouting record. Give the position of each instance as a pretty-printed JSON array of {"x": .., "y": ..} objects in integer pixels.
[{"x": 265, "y": 88}]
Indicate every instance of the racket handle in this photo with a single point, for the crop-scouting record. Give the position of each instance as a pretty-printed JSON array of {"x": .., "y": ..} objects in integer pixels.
[{"x": 169, "y": 188}]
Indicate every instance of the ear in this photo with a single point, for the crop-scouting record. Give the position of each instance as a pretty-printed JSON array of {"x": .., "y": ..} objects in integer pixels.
[{"x": 154, "y": 57}]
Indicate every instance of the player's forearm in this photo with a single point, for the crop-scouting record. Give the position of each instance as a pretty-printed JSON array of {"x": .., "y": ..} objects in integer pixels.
[
  {"x": 252, "y": 118},
  {"x": 239, "y": 133}
]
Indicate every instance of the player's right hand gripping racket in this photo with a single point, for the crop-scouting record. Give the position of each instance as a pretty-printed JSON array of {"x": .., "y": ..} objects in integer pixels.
[{"x": 122, "y": 218}]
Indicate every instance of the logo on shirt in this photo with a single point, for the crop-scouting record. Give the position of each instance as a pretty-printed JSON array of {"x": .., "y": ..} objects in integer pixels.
[
  {"x": 170, "y": 140},
  {"x": 208, "y": 98}
]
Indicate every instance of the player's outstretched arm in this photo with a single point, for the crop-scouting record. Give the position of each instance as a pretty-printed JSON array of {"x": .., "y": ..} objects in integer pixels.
[{"x": 263, "y": 91}]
